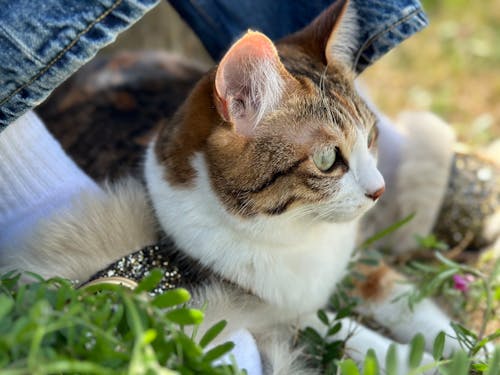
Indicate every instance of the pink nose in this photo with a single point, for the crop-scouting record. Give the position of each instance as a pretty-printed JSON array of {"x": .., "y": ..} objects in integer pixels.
[{"x": 376, "y": 194}]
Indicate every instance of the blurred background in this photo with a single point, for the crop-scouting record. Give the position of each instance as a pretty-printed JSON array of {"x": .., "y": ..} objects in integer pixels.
[{"x": 451, "y": 68}]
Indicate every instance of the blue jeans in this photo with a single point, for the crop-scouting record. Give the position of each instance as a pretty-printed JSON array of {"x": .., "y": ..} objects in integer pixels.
[{"x": 42, "y": 42}]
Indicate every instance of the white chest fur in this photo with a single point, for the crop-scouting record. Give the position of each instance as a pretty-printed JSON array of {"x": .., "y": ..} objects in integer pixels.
[{"x": 288, "y": 262}]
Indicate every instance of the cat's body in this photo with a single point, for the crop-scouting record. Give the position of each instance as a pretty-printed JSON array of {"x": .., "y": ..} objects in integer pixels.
[
  {"x": 262, "y": 177},
  {"x": 268, "y": 256}
]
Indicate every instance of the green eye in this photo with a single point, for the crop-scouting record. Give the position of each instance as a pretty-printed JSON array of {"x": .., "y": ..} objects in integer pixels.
[
  {"x": 324, "y": 159},
  {"x": 372, "y": 136}
]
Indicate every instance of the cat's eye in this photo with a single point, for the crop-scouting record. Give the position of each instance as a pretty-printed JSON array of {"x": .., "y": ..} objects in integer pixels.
[
  {"x": 325, "y": 158},
  {"x": 372, "y": 136}
]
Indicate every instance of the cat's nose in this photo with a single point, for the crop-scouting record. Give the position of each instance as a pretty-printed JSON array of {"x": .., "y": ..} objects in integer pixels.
[{"x": 376, "y": 194}]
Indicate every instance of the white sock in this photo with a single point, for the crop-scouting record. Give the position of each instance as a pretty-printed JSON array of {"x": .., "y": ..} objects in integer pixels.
[
  {"x": 36, "y": 176},
  {"x": 245, "y": 352},
  {"x": 390, "y": 144},
  {"x": 390, "y": 141}
]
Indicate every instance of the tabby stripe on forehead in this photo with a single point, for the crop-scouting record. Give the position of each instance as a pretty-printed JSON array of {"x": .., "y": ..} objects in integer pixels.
[
  {"x": 350, "y": 108},
  {"x": 277, "y": 175},
  {"x": 360, "y": 113}
]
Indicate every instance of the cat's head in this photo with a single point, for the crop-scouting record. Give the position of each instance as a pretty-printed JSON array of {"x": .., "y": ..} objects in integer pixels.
[{"x": 280, "y": 127}]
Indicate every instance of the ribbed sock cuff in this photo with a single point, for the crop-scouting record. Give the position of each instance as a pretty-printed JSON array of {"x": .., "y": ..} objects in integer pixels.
[{"x": 35, "y": 172}]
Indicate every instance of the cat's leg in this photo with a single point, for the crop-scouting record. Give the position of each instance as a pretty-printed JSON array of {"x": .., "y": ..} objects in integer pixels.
[
  {"x": 36, "y": 179},
  {"x": 415, "y": 157},
  {"x": 279, "y": 354},
  {"x": 86, "y": 234},
  {"x": 360, "y": 339},
  {"x": 275, "y": 331},
  {"x": 267, "y": 325},
  {"x": 382, "y": 292}
]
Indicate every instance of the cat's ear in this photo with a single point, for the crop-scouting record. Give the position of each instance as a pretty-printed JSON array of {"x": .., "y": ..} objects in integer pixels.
[
  {"x": 249, "y": 81},
  {"x": 331, "y": 37}
]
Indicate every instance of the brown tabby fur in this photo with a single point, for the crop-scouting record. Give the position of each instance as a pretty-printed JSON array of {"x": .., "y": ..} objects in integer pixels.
[{"x": 316, "y": 95}]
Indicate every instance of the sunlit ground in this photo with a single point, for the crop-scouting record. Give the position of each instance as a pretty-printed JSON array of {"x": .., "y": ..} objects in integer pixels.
[{"x": 452, "y": 68}]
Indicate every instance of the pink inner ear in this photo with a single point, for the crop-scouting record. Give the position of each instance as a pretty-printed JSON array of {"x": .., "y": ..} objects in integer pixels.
[{"x": 240, "y": 62}]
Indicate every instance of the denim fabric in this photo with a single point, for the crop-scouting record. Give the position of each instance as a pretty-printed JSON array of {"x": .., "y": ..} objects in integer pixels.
[
  {"x": 383, "y": 23},
  {"x": 42, "y": 42}
]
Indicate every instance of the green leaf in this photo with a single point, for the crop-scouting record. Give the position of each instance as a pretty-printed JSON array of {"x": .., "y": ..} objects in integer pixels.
[
  {"x": 438, "y": 346},
  {"x": 425, "y": 268},
  {"x": 464, "y": 335},
  {"x": 149, "y": 336},
  {"x": 323, "y": 317},
  {"x": 369, "y": 261},
  {"x": 212, "y": 333},
  {"x": 331, "y": 368},
  {"x": 333, "y": 351},
  {"x": 218, "y": 351},
  {"x": 171, "y": 298},
  {"x": 386, "y": 231},
  {"x": 370, "y": 366},
  {"x": 358, "y": 276},
  {"x": 460, "y": 329},
  {"x": 52, "y": 327},
  {"x": 483, "y": 342},
  {"x": 373, "y": 254},
  {"x": 133, "y": 316},
  {"x": 313, "y": 337},
  {"x": 417, "y": 347},
  {"x": 459, "y": 363},
  {"x": 447, "y": 261},
  {"x": 391, "y": 361},
  {"x": 496, "y": 293},
  {"x": 348, "y": 367},
  {"x": 11, "y": 279},
  {"x": 190, "y": 349},
  {"x": 494, "y": 363},
  {"x": 6, "y": 305},
  {"x": 335, "y": 301},
  {"x": 431, "y": 242},
  {"x": 480, "y": 368},
  {"x": 185, "y": 316},
  {"x": 150, "y": 281},
  {"x": 342, "y": 313},
  {"x": 34, "y": 276},
  {"x": 335, "y": 329}
]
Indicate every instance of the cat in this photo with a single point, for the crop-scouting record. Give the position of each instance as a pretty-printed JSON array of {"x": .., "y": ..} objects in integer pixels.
[{"x": 262, "y": 177}]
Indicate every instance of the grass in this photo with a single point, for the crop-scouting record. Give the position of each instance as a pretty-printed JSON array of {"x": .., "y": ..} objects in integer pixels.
[
  {"x": 450, "y": 68},
  {"x": 461, "y": 288},
  {"x": 51, "y": 327}
]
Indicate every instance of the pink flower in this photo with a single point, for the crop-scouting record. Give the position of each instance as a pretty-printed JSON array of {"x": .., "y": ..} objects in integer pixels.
[{"x": 462, "y": 282}]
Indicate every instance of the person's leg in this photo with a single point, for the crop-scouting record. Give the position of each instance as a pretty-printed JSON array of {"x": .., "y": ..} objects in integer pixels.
[
  {"x": 36, "y": 177},
  {"x": 42, "y": 42},
  {"x": 383, "y": 24}
]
